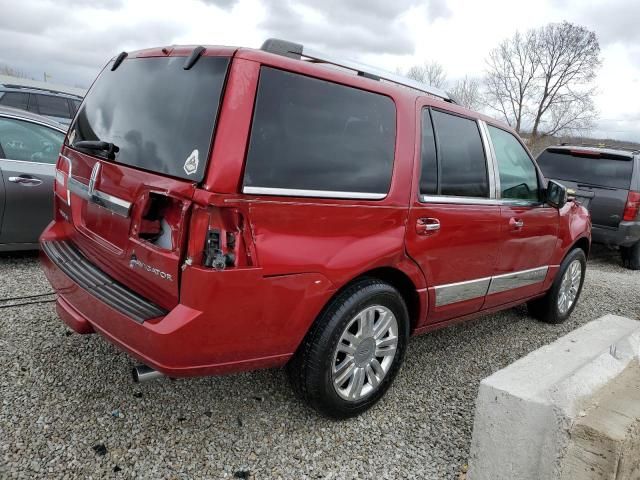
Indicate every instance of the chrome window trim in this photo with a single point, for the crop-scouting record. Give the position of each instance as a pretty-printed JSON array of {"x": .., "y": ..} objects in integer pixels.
[
  {"x": 523, "y": 278},
  {"x": 458, "y": 200},
  {"x": 294, "y": 192},
  {"x": 116, "y": 205},
  {"x": 492, "y": 160},
  {"x": 28, "y": 161},
  {"x": 28, "y": 120},
  {"x": 477, "y": 288}
]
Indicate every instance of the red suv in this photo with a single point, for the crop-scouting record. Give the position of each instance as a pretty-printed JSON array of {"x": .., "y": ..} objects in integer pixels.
[{"x": 221, "y": 209}]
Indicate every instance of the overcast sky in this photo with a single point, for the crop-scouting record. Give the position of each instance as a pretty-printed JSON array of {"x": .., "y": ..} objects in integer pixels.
[{"x": 71, "y": 40}]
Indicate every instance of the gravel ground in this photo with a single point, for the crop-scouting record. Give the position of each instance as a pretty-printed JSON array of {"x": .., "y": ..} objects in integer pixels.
[{"x": 69, "y": 409}]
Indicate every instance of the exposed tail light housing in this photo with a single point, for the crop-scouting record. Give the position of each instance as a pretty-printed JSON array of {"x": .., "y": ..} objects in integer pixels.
[
  {"x": 61, "y": 185},
  {"x": 632, "y": 207}
]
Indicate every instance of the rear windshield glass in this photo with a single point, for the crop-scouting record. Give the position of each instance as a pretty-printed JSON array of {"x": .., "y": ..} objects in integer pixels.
[
  {"x": 593, "y": 170},
  {"x": 160, "y": 116}
]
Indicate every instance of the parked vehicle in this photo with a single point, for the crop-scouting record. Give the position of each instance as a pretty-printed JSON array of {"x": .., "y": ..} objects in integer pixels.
[
  {"x": 331, "y": 216},
  {"x": 29, "y": 148},
  {"x": 607, "y": 180},
  {"x": 38, "y": 98}
]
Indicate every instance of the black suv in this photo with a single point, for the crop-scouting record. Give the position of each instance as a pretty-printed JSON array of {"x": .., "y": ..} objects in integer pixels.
[{"x": 607, "y": 181}]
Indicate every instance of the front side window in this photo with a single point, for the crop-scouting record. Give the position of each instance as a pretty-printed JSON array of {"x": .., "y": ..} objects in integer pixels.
[
  {"x": 518, "y": 175},
  {"x": 29, "y": 142},
  {"x": 52, "y": 106},
  {"x": 314, "y": 135},
  {"x": 461, "y": 157}
]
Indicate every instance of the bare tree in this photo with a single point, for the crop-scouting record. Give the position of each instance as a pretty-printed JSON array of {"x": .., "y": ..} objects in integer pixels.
[
  {"x": 542, "y": 81},
  {"x": 431, "y": 73},
  {"x": 467, "y": 92},
  {"x": 12, "y": 72},
  {"x": 510, "y": 80}
]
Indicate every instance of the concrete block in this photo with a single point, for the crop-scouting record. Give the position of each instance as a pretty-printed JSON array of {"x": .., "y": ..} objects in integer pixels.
[{"x": 525, "y": 412}]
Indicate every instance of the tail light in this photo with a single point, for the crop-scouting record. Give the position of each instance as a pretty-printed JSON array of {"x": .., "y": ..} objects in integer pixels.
[
  {"x": 219, "y": 239},
  {"x": 61, "y": 185},
  {"x": 632, "y": 207}
]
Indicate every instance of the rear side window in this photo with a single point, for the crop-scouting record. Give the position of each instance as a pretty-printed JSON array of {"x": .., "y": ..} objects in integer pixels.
[
  {"x": 314, "y": 135},
  {"x": 15, "y": 100},
  {"x": 595, "y": 169},
  {"x": 462, "y": 163},
  {"x": 52, "y": 106}
]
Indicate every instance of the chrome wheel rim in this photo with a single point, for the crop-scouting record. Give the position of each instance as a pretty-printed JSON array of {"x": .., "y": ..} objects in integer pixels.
[
  {"x": 569, "y": 286},
  {"x": 365, "y": 352}
]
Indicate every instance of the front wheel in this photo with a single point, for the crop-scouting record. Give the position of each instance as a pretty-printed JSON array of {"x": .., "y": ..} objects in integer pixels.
[
  {"x": 556, "y": 306},
  {"x": 354, "y": 350}
]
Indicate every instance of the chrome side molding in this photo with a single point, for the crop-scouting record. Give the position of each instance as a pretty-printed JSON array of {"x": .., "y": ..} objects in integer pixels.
[{"x": 471, "y": 289}]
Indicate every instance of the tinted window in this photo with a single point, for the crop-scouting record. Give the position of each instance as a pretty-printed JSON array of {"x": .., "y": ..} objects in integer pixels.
[
  {"x": 15, "y": 100},
  {"x": 75, "y": 105},
  {"x": 52, "y": 106},
  {"x": 518, "y": 175},
  {"x": 429, "y": 174},
  {"x": 463, "y": 166},
  {"x": 160, "y": 116},
  {"x": 29, "y": 142},
  {"x": 605, "y": 170},
  {"x": 311, "y": 134}
]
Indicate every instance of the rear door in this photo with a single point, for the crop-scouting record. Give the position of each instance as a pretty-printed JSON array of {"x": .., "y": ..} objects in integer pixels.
[
  {"x": 27, "y": 159},
  {"x": 605, "y": 177},
  {"x": 529, "y": 227},
  {"x": 131, "y": 209},
  {"x": 454, "y": 222}
]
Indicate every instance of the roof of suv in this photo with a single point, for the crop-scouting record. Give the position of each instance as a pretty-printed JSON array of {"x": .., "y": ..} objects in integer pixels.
[
  {"x": 23, "y": 114},
  {"x": 597, "y": 149},
  {"x": 261, "y": 54}
]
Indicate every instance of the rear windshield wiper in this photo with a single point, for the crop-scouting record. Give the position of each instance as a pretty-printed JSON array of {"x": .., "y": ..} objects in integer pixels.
[{"x": 109, "y": 148}]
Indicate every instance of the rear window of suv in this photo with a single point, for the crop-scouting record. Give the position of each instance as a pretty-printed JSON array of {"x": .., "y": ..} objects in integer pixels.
[
  {"x": 602, "y": 169},
  {"x": 317, "y": 138},
  {"x": 160, "y": 116}
]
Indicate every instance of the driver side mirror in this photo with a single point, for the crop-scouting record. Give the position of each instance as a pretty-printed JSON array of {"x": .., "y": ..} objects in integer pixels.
[{"x": 556, "y": 194}]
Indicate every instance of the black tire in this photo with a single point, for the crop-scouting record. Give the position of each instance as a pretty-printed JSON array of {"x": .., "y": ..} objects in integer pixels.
[
  {"x": 631, "y": 256},
  {"x": 546, "y": 308},
  {"x": 311, "y": 369}
]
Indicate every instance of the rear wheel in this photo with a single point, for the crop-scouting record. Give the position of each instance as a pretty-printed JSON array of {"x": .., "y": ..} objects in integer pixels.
[
  {"x": 631, "y": 256},
  {"x": 353, "y": 351},
  {"x": 556, "y": 306}
]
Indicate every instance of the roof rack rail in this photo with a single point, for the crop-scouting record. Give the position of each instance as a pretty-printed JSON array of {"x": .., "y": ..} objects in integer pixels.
[
  {"x": 299, "y": 51},
  {"x": 38, "y": 89}
]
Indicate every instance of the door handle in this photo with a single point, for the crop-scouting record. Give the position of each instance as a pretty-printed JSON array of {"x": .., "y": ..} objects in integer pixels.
[
  {"x": 24, "y": 180},
  {"x": 516, "y": 223},
  {"x": 427, "y": 226}
]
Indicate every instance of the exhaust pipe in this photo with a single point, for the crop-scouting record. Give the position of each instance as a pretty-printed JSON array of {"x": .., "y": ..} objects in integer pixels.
[{"x": 142, "y": 373}]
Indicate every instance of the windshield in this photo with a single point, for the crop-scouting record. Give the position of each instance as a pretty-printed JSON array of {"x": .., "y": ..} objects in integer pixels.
[
  {"x": 160, "y": 116},
  {"x": 605, "y": 170}
]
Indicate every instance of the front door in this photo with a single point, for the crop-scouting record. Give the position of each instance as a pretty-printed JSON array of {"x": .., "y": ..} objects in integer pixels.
[
  {"x": 454, "y": 221},
  {"x": 529, "y": 227},
  {"x": 27, "y": 160}
]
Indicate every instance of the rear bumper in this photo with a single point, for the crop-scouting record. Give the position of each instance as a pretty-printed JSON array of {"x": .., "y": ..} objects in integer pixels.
[
  {"x": 176, "y": 345},
  {"x": 627, "y": 234}
]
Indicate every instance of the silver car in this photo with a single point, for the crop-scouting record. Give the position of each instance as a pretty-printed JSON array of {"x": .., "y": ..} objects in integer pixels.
[{"x": 29, "y": 147}]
